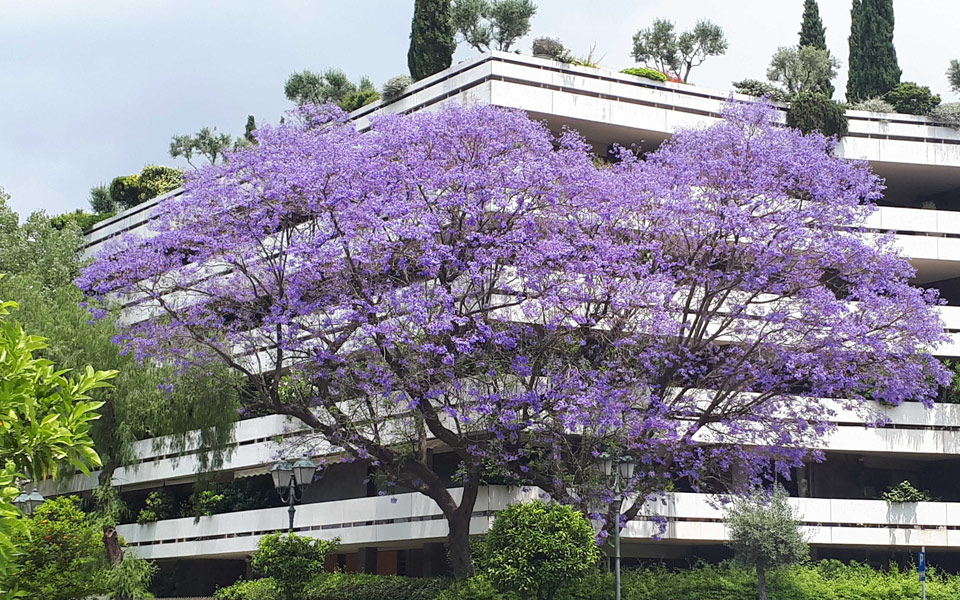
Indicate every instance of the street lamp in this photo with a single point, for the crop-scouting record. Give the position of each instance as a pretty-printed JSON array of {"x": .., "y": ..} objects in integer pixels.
[
  {"x": 27, "y": 503},
  {"x": 291, "y": 480},
  {"x": 621, "y": 468}
]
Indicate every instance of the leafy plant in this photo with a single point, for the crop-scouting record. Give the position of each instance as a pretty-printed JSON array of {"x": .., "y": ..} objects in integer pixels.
[
  {"x": 159, "y": 505},
  {"x": 875, "y": 105},
  {"x": 912, "y": 99},
  {"x": 953, "y": 75},
  {"x": 431, "y": 38},
  {"x": 946, "y": 114},
  {"x": 645, "y": 72},
  {"x": 537, "y": 548},
  {"x": 811, "y": 111},
  {"x": 764, "y": 533},
  {"x": 255, "y": 589},
  {"x": 130, "y": 579},
  {"x": 395, "y": 87},
  {"x": 755, "y": 87},
  {"x": 291, "y": 560},
  {"x": 905, "y": 492}
]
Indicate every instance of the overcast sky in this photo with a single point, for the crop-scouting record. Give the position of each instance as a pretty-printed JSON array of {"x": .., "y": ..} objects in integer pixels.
[{"x": 94, "y": 89}]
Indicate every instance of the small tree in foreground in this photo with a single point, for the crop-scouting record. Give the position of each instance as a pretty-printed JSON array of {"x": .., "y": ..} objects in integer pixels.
[
  {"x": 765, "y": 534},
  {"x": 538, "y": 548}
]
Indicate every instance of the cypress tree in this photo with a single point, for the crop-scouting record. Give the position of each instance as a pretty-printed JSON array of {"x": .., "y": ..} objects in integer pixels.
[
  {"x": 431, "y": 38},
  {"x": 812, "y": 32},
  {"x": 873, "y": 58}
]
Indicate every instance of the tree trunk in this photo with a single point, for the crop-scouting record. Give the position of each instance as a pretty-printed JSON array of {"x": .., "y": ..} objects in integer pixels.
[
  {"x": 458, "y": 538},
  {"x": 762, "y": 581},
  {"x": 111, "y": 545}
]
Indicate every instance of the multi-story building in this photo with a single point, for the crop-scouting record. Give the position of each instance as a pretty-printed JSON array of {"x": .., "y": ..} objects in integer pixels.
[{"x": 404, "y": 533}]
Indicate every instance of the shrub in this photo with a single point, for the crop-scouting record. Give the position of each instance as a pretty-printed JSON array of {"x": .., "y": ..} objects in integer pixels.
[
  {"x": 905, "y": 492},
  {"x": 755, "y": 87},
  {"x": 159, "y": 505},
  {"x": 912, "y": 99},
  {"x": 256, "y": 589},
  {"x": 477, "y": 587},
  {"x": 548, "y": 47},
  {"x": 360, "y": 586},
  {"x": 645, "y": 72},
  {"x": 946, "y": 114},
  {"x": 358, "y": 98},
  {"x": 537, "y": 548},
  {"x": 63, "y": 556},
  {"x": 878, "y": 105},
  {"x": 291, "y": 560},
  {"x": 394, "y": 87},
  {"x": 805, "y": 69},
  {"x": 815, "y": 112}
]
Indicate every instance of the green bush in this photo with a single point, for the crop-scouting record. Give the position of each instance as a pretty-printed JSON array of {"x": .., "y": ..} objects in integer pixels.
[
  {"x": 815, "y": 112},
  {"x": 755, "y": 87},
  {"x": 291, "y": 560},
  {"x": 81, "y": 218},
  {"x": 395, "y": 87},
  {"x": 645, "y": 72},
  {"x": 912, "y": 99},
  {"x": 255, "y": 589},
  {"x": 538, "y": 548},
  {"x": 905, "y": 492},
  {"x": 946, "y": 114},
  {"x": 159, "y": 506},
  {"x": 361, "y": 586}
]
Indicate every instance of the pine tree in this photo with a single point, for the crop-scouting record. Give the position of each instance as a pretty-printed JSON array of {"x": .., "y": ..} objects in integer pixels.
[
  {"x": 431, "y": 38},
  {"x": 812, "y": 31},
  {"x": 873, "y": 58}
]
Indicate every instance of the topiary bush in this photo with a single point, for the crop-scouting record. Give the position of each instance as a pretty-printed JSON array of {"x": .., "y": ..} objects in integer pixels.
[
  {"x": 760, "y": 89},
  {"x": 394, "y": 87},
  {"x": 291, "y": 560},
  {"x": 815, "y": 112},
  {"x": 912, "y": 99},
  {"x": 537, "y": 548},
  {"x": 645, "y": 72},
  {"x": 361, "y": 586}
]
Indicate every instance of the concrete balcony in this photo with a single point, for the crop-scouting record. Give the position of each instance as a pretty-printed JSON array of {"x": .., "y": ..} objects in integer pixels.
[{"x": 409, "y": 520}]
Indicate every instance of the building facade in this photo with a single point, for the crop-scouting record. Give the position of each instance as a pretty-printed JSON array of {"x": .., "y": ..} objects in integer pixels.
[{"x": 404, "y": 532}]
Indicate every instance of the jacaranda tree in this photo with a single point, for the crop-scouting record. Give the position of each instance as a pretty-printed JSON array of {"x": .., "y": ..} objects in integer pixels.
[{"x": 466, "y": 278}]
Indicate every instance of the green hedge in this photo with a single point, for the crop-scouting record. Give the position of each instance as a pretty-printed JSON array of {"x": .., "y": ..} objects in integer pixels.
[
  {"x": 359, "y": 586},
  {"x": 825, "y": 580}
]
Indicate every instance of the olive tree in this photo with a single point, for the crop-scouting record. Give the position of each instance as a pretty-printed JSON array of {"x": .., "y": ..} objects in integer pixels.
[
  {"x": 659, "y": 46},
  {"x": 764, "y": 533}
]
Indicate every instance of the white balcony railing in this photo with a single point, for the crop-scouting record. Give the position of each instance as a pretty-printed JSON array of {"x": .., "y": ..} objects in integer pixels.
[{"x": 413, "y": 519}]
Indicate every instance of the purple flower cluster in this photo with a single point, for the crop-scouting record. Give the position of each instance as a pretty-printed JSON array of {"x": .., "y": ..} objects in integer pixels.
[{"x": 467, "y": 277}]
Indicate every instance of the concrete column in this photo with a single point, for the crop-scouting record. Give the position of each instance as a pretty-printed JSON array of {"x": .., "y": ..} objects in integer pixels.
[{"x": 368, "y": 560}]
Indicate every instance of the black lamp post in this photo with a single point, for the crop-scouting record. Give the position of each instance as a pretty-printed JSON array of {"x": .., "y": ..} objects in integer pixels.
[
  {"x": 621, "y": 468},
  {"x": 291, "y": 480},
  {"x": 27, "y": 503}
]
